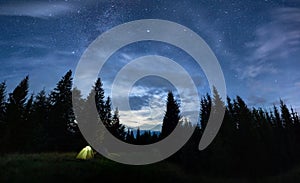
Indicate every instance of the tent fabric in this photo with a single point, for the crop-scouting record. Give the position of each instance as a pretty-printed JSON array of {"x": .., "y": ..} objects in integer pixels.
[{"x": 85, "y": 153}]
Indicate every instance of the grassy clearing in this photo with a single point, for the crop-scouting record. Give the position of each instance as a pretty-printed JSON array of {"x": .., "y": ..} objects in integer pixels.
[{"x": 63, "y": 167}]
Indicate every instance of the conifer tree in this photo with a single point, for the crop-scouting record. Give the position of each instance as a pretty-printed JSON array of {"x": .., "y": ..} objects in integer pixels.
[
  {"x": 2, "y": 101},
  {"x": 99, "y": 99},
  {"x": 172, "y": 116},
  {"x": 40, "y": 119},
  {"x": 138, "y": 136},
  {"x": 15, "y": 136},
  {"x": 285, "y": 115},
  {"x": 62, "y": 116},
  {"x": 2, "y": 111},
  {"x": 117, "y": 129},
  {"x": 107, "y": 117}
]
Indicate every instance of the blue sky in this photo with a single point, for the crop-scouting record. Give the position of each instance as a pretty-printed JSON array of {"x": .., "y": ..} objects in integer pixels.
[{"x": 256, "y": 42}]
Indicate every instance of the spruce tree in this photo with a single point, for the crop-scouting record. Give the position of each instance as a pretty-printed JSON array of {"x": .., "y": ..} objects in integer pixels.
[
  {"x": 15, "y": 136},
  {"x": 2, "y": 112},
  {"x": 40, "y": 115},
  {"x": 117, "y": 129},
  {"x": 127, "y": 136},
  {"x": 2, "y": 102},
  {"x": 277, "y": 120},
  {"x": 62, "y": 117},
  {"x": 130, "y": 136},
  {"x": 172, "y": 116},
  {"x": 138, "y": 136},
  {"x": 205, "y": 110},
  {"x": 88, "y": 118},
  {"x": 107, "y": 117},
  {"x": 99, "y": 99},
  {"x": 285, "y": 115}
]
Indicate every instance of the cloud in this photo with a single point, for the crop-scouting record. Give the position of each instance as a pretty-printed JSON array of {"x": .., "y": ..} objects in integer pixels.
[
  {"x": 151, "y": 94},
  {"x": 36, "y": 9},
  {"x": 252, "y": 71},
  {"x": 278, "y": 38},
  {"x": 274, "y": 41},
  {"x": 151, "y": 107},
  {"x": 149, "y": 115},
  {"x": 256, "y": 100}
]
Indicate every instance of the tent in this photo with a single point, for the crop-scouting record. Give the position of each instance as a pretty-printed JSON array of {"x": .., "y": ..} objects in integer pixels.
[{"x": 85, "y": 153}]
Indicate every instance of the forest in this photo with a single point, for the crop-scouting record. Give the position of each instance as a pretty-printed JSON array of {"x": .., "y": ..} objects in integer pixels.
[{"x": 251, "y": 142}]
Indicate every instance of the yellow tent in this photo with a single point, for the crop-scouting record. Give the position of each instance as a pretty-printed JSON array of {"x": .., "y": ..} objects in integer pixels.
[{"x": 85, "y": 153}]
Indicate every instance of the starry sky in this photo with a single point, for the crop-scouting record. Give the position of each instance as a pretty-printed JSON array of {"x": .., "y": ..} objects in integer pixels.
[{"x": 257, "y": 44}]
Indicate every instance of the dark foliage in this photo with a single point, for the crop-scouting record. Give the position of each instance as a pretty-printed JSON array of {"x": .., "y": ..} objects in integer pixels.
[
  {"x": 251, "y": 142},
  {"x": 172, "y": 116}
]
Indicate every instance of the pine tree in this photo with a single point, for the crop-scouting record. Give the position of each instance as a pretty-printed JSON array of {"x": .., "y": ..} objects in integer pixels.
[
  {"x": 243, "y": 115},
  {"x": 277, "y": 120},
  {"x": 294, "y": 117},
  {"x": 78, "y": 101},
  {"x": 130, "y": 136},
  {"x": 172, "y": 116},
  {"x": 15, "y": 137},
  {"x": 244, "y": 144},
  {"x": 205, "y": 110},
  {"x": 138, "y": 136},
  {"x": 117, "y": 129},
  {"x": 28, "y": 109},
  {"x": 289, "y": 135},
  {"x": 78, "y": 104},
  {"x": 89, "y": 120},
  {"x": 28, "y": 127},
  {"x": 40, "y": 115},
  {"x": 62, "y": 117},
  {"x": 107, "y": 117},
  {"x": 99, "y": 99},
  {"x": 127, "y": 137},
  {"x": 2, "y": 101},
  {"x": 218, "y": 104},
  {"x": 285, "y": 115},
  {"x": 2, "y": 113}
]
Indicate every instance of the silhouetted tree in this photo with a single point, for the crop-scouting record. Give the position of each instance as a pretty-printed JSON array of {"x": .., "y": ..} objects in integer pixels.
[
  {"x": 138, "y": 136},
  {"x": 28, "y": 127},
  {"x": 61, "y": 117},
  {"x": 2, "y": 101},
  {"x": 117, "y": 129},
  {"x": 295, "y": 117},
  {"x": 205, "y": 108},
  {"x": 99, "y": 100},
  {"x": 107, "y": 117},
  {"x": 39, "y": 120},
  {"x": 277, "y": 120},
  {"x": 251, "y": 142},
  {"x": 130, "y": 137},
  {"x": 285, "y": 115},
  {"x": 172, "y": 116},
  {"x": 88, "y": 118},
  {"x": 2, "y": 111},
  {"x": 15, "y": 136},
  {"x": 78, "y": 101}
]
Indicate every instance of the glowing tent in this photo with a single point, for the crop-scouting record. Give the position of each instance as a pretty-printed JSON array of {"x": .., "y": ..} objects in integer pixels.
[{"x": 85, "y": 153}]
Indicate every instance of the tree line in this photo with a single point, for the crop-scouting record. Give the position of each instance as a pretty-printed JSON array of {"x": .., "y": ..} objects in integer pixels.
[
  {"x": 251, "y": 141},
  {"x": 46, "y": 122}
]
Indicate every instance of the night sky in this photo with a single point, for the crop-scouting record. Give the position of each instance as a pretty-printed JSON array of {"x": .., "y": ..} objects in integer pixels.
[{"x": 256, "y": 42}]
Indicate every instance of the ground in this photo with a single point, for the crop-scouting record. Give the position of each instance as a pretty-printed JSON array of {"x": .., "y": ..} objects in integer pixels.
[{"x": 63, "y": 167}]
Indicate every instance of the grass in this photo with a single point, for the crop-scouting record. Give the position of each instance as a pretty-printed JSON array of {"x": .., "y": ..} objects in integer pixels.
[{"x": 63, "y": 167}]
